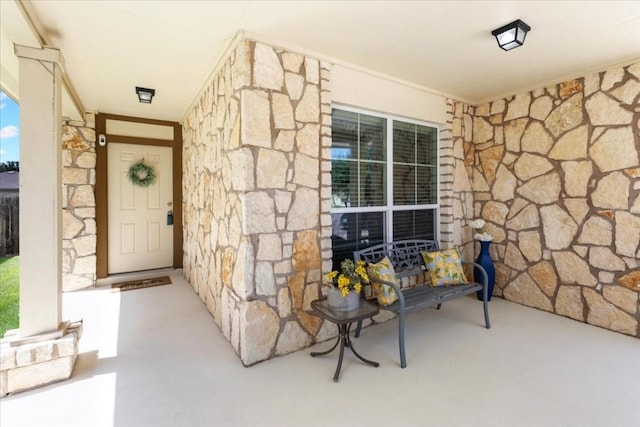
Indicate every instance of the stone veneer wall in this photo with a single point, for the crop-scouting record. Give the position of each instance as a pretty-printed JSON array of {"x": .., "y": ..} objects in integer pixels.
[
  {"x": 556, "y": 174},
  {"x": 456, "y": 194},
  {"x": 257, "y": 197},
  {"x": 78, "y": 203}
]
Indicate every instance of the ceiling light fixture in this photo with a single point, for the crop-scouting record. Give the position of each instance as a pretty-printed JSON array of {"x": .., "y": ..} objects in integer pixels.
[
  {"x": 511, "y": 35},
  {"x": 145, "y": 95}
]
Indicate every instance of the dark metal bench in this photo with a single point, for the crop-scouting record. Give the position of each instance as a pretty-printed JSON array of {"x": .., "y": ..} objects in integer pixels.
[{"x": 407, "y": 262}]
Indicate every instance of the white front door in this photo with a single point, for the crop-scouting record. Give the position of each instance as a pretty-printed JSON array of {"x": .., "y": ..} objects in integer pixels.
[{"x": 140, "y": 237}]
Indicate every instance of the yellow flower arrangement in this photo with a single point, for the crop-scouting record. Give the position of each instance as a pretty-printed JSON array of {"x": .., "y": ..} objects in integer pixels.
[{"x": 351, "y": 277}]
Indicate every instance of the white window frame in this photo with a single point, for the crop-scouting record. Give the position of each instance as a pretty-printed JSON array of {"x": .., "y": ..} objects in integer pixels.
[{"x": 389, "y": 207}]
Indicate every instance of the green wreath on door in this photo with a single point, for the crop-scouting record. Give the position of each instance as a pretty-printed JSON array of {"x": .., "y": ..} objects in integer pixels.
[{"x": 141, "y": 174}]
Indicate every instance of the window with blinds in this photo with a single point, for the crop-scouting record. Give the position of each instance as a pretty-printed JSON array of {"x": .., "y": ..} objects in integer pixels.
[{"x": 384, "y": 180}]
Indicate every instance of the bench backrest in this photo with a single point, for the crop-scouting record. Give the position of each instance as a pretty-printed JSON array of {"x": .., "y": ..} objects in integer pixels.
[{"x": 403, "y": 254}]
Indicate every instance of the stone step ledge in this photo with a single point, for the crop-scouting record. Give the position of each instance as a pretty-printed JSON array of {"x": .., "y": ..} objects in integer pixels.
[{"x": 31, "y": 365}]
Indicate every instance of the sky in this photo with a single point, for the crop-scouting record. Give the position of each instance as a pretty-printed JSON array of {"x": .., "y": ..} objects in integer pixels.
[{"x": 9, "y": 134}]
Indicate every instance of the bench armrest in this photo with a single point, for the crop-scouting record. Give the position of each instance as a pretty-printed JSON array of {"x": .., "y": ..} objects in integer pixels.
[{"x": 485, "y": 277}]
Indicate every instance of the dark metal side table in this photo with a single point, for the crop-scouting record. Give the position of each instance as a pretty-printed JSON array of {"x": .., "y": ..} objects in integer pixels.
[{"x": 344, "y": 320}]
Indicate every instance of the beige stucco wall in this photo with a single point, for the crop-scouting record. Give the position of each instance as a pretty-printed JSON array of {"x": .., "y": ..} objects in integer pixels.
[
  {"x": 556, "y": 174},
  {"x": 374, "y": 92}
]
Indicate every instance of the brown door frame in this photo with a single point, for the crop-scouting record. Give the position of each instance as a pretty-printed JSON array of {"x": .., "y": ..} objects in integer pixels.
[{"x": 101, "y": 189}]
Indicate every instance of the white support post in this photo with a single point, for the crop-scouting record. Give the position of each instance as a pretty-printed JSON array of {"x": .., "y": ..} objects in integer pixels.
[{"x": 40, "y": 79}]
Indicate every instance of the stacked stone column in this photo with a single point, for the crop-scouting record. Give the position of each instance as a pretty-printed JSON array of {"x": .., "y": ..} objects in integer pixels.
[
  {"x": 257, "y": 198},
  {"x": 456, "y": 196},
  {"x": 78, "y": 202}
]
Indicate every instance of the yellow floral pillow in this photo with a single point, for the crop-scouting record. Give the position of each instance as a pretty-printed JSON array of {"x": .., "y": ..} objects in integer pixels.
[
  {"x": 383, "y": 270},
  {"x": 444, "y": 267}
]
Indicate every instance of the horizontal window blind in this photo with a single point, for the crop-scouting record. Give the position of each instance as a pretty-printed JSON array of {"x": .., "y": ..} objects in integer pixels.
[{"x": 384, "y": 180}]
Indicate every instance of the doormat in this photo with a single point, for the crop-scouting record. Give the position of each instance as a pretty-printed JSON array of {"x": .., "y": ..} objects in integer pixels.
[{"x": 138, "y": 284}]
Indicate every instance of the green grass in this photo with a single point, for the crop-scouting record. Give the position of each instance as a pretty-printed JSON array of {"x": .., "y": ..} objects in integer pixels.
[{"x": 9, "y": 293}]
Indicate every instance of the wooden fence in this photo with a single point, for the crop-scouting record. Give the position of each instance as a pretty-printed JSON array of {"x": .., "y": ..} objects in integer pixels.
[{"x": 9, "y": 223}]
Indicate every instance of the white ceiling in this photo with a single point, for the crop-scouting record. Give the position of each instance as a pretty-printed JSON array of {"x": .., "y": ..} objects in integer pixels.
[{"x": 173, "y": 46}]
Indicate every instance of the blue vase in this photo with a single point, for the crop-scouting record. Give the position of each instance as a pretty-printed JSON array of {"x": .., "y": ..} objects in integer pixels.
[{"x": 484, "y": 259}]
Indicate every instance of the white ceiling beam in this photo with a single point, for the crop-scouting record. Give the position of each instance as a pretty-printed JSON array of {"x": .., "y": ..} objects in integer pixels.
[{"x": 20, "y": 27}]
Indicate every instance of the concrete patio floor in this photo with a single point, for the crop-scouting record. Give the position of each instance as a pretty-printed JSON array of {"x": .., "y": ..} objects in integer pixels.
[{"x": 154, "y": 357}]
